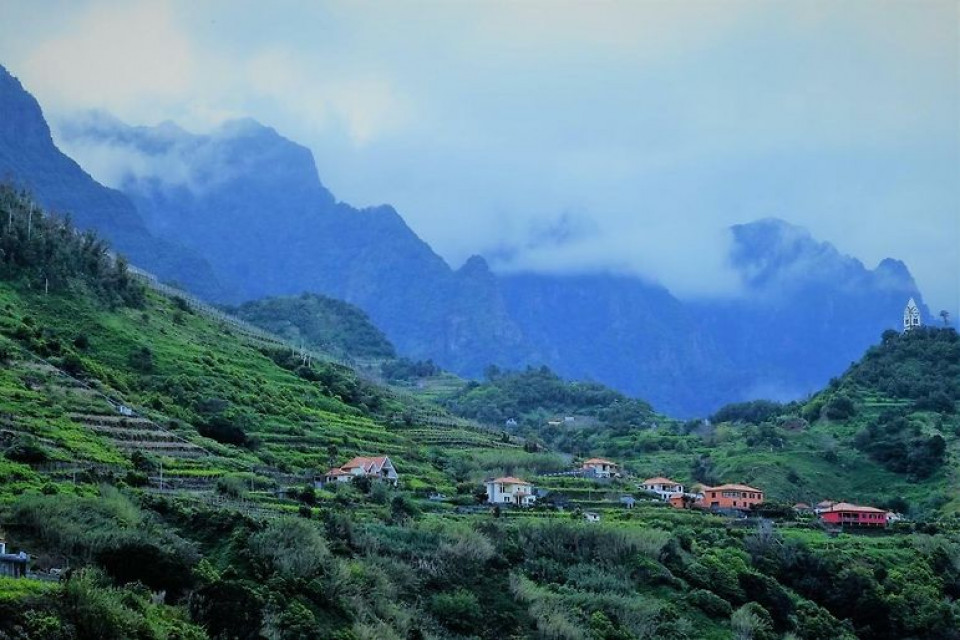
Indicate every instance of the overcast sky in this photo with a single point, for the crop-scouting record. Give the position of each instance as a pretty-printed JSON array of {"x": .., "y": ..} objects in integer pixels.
[{"x": 560, "y": 135}]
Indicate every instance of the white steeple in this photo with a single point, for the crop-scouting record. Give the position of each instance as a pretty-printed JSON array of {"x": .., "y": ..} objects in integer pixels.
[{"x": 911, "y": 315}]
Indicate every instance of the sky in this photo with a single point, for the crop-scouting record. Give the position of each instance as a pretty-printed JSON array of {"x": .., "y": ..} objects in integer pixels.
[{"x": 554, "y": 135}]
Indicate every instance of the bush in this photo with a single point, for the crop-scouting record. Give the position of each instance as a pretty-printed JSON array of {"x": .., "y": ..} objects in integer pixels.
[
  {"x": 459, "y": 610},
  {"x": 27, "y": 450},
  {"x": 223, "y": 430},
  {"x": 289, "y": 547},
  {"x": 141, "y": 359},
  {"x": 840, "y": 407},
  {"x": 710, "y": 603}
]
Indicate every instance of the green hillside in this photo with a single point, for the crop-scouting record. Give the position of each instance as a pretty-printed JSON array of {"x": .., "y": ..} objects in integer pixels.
[
  {"x": 886, "y": 432},
  {"x": 320, "y": 322},
  {"x": 162, "y": 459}
]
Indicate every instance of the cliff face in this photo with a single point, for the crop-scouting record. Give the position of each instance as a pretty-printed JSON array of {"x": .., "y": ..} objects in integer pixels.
[{"x": 29, "y": 159}]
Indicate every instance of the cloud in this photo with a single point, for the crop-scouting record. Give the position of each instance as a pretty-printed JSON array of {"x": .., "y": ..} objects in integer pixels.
[
  {"x": 365, "y": 107},
  {"x": 662, "y": 123},
  {"x": 123, "y": 55}
]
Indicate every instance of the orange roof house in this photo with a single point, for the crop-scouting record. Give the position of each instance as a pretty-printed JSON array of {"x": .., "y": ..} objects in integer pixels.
[
  {"x": 601, "y": 467},
  {"x": 377, "y": 468},
  {"x": 663, "y": 486},
  {"x": 731, "y": 496},
  {"x": 510, "y": 490}
]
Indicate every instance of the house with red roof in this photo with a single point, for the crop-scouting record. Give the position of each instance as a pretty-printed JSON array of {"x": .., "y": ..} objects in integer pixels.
[
  {"x": 600, "y": 468},
  {"x": 510, "y": 490},
  {"x": 854, "y": 515},
  {"x": 663, "y": 487},
  {"x": 731, "y": 496},
  {"x": 375, "y": 468}
]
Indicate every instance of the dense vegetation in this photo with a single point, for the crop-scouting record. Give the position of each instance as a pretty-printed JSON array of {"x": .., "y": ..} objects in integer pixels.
[
  {"x": 547, "y": 408},
  {"x": 321, "y": 322},
  {"x": 46, "y": 253},
  {"x": 405, "y": 370},
  {"x": 195, "y": 514}
]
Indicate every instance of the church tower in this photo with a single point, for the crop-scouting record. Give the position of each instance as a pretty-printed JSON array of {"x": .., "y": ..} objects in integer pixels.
[{"x": 911, "y": 316}]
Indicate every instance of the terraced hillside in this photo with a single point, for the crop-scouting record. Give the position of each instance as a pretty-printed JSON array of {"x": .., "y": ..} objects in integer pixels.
[
  {"x": 158, "y": 464},
  {"x": 887, "y": 432},
  {"x": 194, "y": 378}
]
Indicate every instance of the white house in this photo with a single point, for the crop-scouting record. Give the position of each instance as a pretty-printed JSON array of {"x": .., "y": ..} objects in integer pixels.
[
  {"x": 911, "y": 315},
  {"x": 379, "y": 468},
  {"x": 591, "y": 516},
  {"x": 13, "y": 565},
  {"x": 510, "y": 490},
  {"x": 663, "y": 487},
  {"x": 601, "y": 468}
]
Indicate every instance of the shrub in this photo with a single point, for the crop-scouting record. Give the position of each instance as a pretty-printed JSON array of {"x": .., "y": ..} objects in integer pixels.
[
  {"x": 290, "y": 547},
  {"x": 27, "y": 450},
  {"x": 141, "y": 359},
  {"x": 458, "y": 610},
  {"x": 710, "y": 603},
  {"x": 223, "y": 430},
  {"x": 840, "y": 407}
]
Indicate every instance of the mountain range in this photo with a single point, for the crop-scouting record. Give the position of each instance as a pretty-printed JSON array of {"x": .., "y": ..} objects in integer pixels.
[{"x": 240, "y": 213}]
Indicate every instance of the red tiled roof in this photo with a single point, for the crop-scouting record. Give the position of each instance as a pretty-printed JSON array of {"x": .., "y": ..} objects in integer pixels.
[
  {"x": 732, "y": 487},
  {"x": 509, "y": 480},
  {"x": 846, "y": 506},
  {"x": 338, "y": 472},
  {"x": 599, "y": 461},
  {"x": 660, "y": 480},
  {"x": 365, "y": 463}
]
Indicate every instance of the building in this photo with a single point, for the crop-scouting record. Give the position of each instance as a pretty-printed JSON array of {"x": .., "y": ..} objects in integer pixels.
[
  {"x": 379, "y": 468},
  {"x": 600, "y": 468},
  {"x": 13, "y": 565},
  {"x": 823, "y": 505},
  {"x": 663, "y": 487},
  {"x": 332, "y": 477},
  {"x": 510, "y": 490},
  {"x": 731, "y": 496},
  {"x": 911, "y": 315},
  {"x": 854, "y": 515},
  {"x": 591, "y": 516}
]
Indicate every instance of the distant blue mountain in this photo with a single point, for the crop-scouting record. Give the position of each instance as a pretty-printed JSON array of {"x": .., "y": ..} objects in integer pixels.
[{"x": 251, "y": 203}]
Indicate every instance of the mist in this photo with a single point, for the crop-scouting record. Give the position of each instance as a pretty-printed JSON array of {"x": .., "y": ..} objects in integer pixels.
[{"x": 660, "y": 125}]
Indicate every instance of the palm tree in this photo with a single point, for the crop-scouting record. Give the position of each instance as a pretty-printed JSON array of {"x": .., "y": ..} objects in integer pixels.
[{"x": 945, "y": 315}]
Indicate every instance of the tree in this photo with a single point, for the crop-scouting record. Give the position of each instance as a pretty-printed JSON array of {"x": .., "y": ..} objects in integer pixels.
[{"x": 945, "y": 316}]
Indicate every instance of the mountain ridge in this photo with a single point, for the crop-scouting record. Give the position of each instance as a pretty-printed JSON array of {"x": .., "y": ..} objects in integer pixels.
[{"x": 252, "y": 203}]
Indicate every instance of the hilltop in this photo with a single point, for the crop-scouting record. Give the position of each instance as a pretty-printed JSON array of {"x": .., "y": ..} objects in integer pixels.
[
  {"x": 164, "y": 454},
  {"x": 319, "y": 322}
]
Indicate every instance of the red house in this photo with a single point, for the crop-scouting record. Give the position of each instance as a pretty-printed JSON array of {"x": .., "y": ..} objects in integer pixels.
[{"x": 854, "y": 515}]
